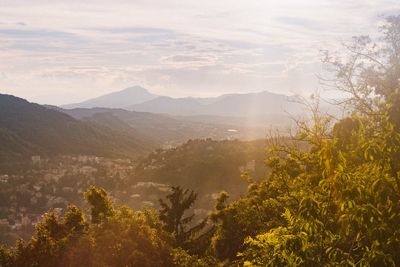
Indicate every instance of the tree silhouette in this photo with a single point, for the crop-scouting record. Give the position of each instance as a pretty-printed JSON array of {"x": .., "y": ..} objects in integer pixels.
[{"x": 173, "y": 213}]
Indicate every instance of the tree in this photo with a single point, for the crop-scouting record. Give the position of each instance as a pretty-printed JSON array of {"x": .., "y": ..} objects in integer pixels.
[
  {"x": 335, "y": 200},
  {"x": 116, "y": 236},
  {"x": 101, "y": 205},
  {"x": 173, "y": 214}
]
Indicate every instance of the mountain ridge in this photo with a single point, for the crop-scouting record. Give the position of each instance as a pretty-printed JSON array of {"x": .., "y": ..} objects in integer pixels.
[
  {"x": 120, "y": 99},
  {"x": 46, "y": 131},
  {"x": 248, "y": 105},
  {"x": 233, "y": 104}
]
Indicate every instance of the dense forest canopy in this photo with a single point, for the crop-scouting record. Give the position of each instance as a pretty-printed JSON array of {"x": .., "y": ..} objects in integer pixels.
[{"x": 332, "y": 202}]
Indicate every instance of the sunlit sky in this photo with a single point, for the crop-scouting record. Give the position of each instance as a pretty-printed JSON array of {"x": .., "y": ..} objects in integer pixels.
[{"x": 63, "y": 51}]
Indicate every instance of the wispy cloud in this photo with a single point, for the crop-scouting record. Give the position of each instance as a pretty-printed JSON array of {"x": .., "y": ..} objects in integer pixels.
[{"x": 65, "y": 51}]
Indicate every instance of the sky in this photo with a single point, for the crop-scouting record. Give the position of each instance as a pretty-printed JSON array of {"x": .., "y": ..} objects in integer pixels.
[{"x": 65, "y": 51}]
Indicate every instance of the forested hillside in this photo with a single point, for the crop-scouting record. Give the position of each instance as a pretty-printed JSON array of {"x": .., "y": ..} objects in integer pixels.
[
  {"x": 206, "y": 166},
  {"x": 165, "y": 130},
  {"x": 28, "y": 129}
]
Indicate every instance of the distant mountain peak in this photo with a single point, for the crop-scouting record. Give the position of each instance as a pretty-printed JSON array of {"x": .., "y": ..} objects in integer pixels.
[
  {"x": 136, "y": 88},
  {"x": 121, "y": 99}
]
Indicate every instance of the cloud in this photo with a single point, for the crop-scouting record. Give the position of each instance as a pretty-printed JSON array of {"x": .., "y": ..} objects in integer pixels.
[
  {"x": 17, "y": 33},
  {"x": 64, "y": 51}
]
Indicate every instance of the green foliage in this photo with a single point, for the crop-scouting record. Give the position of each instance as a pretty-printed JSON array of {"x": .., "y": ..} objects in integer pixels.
[
  {"x": 173, "y": 215},
  {"x": 116, "y": 236},
  {"x": 101, "y": 206},
  {"x": 335, "y": 200},
  {"x": 183, "y": 259},
  {"x": 187, "y": 235}
]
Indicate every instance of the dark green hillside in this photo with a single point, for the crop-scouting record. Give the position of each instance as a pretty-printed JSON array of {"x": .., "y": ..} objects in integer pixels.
[
  {"x": 27, "y": 128},
  {"x": 12, "y": 146}
]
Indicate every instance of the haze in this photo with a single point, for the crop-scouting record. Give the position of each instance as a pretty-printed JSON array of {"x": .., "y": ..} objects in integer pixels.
[{"x": 60, "y": 52}]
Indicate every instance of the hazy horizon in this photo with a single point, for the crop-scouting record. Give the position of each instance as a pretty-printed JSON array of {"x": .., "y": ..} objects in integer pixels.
[
  {"x": 69, "y": 51},
  {"x": 133, "y": 87}
]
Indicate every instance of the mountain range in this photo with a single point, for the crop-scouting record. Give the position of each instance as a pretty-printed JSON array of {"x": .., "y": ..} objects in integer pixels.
[
  {"x": 244, "y": 105},
  {"x": 258, "y": 109},
  {"x": 133, "y": 122},
  {"x": 236, "y": 105},
  {"x": 28, "y": 129}
]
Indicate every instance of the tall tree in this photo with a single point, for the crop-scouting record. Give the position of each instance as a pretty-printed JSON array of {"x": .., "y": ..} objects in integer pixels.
[
  {"x": 101, "y": 206},
  {"x": 173, "y": 213}
]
